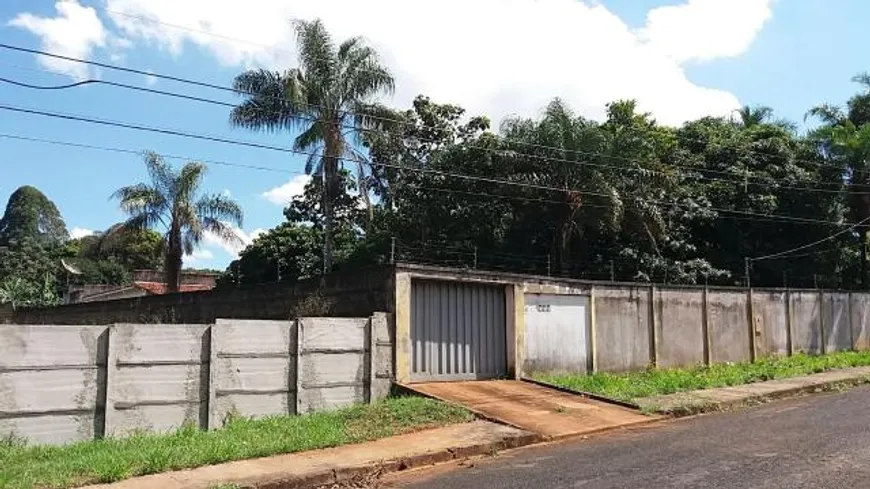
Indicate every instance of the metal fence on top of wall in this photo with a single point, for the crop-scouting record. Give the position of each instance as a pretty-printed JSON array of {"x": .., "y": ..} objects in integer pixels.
[{"x": 68, "y": 383}]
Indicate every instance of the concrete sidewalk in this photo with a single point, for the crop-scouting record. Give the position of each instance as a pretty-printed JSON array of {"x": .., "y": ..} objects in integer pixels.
[
  {"x": 688, "y": 403},
  {"x": 346, "y": 463}
]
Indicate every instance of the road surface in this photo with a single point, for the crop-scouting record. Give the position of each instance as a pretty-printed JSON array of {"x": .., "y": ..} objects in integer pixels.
[{"x": 819, "y": 441}]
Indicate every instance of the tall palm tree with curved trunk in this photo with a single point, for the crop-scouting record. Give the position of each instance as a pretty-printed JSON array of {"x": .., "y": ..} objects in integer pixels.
[
  {"x": 328, "y": 99},
  {"x": 172, "y": 202}
]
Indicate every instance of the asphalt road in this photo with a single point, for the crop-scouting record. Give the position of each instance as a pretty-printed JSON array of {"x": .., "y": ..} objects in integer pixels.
[{"x": 819, "y": 441}]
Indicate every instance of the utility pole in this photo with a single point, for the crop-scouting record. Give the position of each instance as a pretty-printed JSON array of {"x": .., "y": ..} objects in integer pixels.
[
  {"x": 475, "y": 257},
  {"x": 393, "y": 250},
  {"x": 612, "y": 272},
  {"x": 549, "y": 271}
]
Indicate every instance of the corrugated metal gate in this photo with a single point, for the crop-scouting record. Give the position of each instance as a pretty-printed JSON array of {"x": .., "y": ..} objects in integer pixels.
[{"x": 458, "y": 331}]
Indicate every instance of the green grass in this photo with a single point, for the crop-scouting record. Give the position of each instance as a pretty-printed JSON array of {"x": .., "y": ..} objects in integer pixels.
[
  {"x": 109, "y": 460},
  {"x": 652, "y": 382}
]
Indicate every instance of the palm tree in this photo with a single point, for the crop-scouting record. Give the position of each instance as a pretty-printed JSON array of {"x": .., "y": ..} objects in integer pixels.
[
  {"x": 327, "y": 99},
  {"x": 754, "y": 116},
  {"x": 171, "y": 202}
]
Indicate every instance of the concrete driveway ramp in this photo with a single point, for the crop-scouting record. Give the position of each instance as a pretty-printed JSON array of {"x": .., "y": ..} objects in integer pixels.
[{"x": 549, "y": 412}]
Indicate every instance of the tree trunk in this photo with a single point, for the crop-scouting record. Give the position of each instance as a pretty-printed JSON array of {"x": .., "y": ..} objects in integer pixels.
[
  {"x": 172, "y": 261},
  {"x": 330, "y": 191}
]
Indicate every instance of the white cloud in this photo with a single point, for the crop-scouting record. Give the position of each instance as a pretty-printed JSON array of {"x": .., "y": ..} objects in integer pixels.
[
  {"x": 498, "y": 57},
  {"x": 283, "y": 194},
  {"x": 233, "y": 249},
  {"x": 703, "y": 30},
  {"x": 198, "y": 256},
  {"x": 75, "y": 32},
  {"x": 78, "y": 233},
  {"x": 150, "y": 80}
]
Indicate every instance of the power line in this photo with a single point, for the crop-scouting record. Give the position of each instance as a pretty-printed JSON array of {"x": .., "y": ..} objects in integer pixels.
[
  {"x": 227, "y": 104},
  {"x": 139, "y": 153},
  {"x": 118, "y": 85},
  {"x": 374, "y": 117},
  {"x": 810, "y": 245},
  {"x": 179, "y": 133},
  {"x": 477, "y": 194}
]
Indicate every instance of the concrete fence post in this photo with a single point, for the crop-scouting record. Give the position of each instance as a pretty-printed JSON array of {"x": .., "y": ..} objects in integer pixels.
[
  {"x": 370, "y": 362},
  {"x": 789, "y": 324},
  {"x": 653, "y": 328},
  {"x": 822, "y": 336},
  {"x": 300, "y": 333},
  {"x": 705, "y": 326},
  {"x": 592, "y": 341},
  {"x": 750, "y": 312},
  {"x": 212, "y": 421},
  {"x": 111, "y": 381},
  {"x": 852, "y": 344}
]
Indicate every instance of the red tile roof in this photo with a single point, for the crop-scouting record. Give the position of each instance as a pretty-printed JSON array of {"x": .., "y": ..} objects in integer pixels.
[{"x": 158, "y": 288}]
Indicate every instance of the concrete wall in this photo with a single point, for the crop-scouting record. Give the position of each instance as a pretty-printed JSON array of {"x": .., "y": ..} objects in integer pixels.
[
  {"x": 806, "y": 321},
  {"x": 772, "y": 336},
  {"x": 52, "y": 382},
  {"x": 836, "y": 323},
  {"x": 633, "y": 326},
  {"x": 623, "y": 328},
  {"x": 679, "y": 328},
  {"x": 61, "y": 384},
  {"x": 859, "y": 307},
  {"x": 728, "y": 326},
  {"x": 357, "y": 293}
]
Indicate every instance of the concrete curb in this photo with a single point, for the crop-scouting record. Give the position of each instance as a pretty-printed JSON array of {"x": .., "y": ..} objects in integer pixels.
[
  {"x": 350, "y": 474},
  {"x": 590, "y": 395},
  {"x": 711, "y": 406}
]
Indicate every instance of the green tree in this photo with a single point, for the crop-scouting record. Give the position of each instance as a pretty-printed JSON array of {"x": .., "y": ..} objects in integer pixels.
[
  {"x": 20, "y": 293},
  {"x": 134, "y": 249},
  {"x": 843, "y": 141},
  {"x": 752, "y": 116},
  {"x": 292, "y": 250},
  {"x": 172, "y": 202},
  {"x": 30, "y": 214},
  {"x": 328, "y": 97}
]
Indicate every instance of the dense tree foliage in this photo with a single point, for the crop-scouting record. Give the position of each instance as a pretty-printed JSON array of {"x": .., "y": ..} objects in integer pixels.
[
  {"x": 110, "y": 257},
  {"x": 293, "y": 249},
  {"x": 622, "y": 198},
  {"x": 31, "y": 215}
]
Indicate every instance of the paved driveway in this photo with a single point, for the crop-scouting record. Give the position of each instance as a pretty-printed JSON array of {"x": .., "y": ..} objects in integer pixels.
[
  {"x": 815, "y": 442},
  {"x": 548, "y": 412}
]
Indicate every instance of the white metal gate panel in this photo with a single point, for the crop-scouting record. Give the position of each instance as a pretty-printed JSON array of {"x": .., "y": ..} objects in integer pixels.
[
  {"x": 458, "y": 331},
  {"x": 557, "y": 333}
]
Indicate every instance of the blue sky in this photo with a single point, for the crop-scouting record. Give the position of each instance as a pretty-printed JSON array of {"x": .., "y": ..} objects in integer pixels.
[{"x": 698, "y": 57}]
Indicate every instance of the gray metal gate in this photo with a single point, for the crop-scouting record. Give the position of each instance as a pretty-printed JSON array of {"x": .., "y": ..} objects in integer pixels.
[{"x": 458, "y": 331}]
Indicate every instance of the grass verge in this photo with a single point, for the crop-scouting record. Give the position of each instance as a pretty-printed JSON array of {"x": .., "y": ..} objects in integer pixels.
[
  {"x": 109, "y": 460},
  {"x": 653, "y": 382}
]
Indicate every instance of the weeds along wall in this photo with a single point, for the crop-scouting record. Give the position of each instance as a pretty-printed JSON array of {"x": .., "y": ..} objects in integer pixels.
[{"x": 60, "y": 384}]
